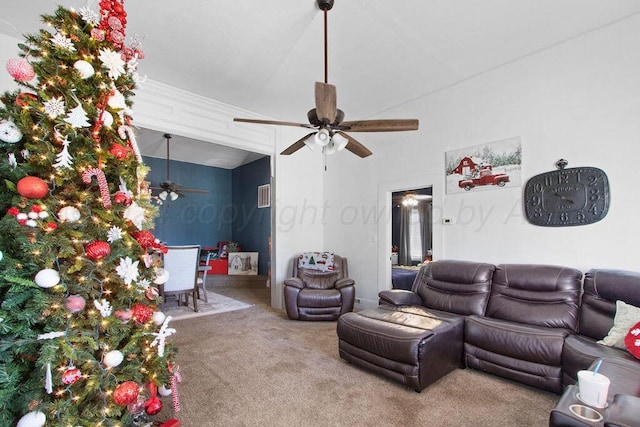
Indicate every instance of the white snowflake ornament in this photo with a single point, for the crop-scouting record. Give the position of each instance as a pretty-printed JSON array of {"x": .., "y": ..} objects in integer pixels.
[
  {"x": 63, "y": 42},
  {"x": 90, "y": 16},
  {"x": 103, "y": 306},
  {"x": 114, "y": 233},
  {"x": 54, "y": 107},
  {"x": 113, "y": 62},
  {"x": 128, "y": 270}
]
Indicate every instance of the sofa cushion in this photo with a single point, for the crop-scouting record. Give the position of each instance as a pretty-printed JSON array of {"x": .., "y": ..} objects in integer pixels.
[
  {"x": 524, "y": 353},
  {"x": 626, "y": 316},
  {"x": 460, "y": 287},
  {"x": 534, "y": 294},
  {"x": 579, "y": 352},
  {"x": 319, "y": 298},
  {"x": 602, "y": 288},
  {"x": 516, "y": 340}
]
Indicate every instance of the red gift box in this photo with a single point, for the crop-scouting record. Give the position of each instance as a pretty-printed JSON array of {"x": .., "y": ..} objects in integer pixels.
[{"x": 171, "y": 423}]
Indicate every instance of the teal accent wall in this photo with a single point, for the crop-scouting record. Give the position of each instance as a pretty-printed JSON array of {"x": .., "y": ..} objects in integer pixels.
[
  {"x": 227, "y": 213},
  {"x": 252, "y": 226}
]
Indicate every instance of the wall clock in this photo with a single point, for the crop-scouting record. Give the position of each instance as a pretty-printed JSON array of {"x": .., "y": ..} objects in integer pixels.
[{"x": 567, "y": 197}]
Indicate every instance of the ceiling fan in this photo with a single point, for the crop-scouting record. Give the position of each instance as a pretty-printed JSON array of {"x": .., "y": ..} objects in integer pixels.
[
  {"x": 170, "y": 189},
  {"x": 327, "y": 119}
]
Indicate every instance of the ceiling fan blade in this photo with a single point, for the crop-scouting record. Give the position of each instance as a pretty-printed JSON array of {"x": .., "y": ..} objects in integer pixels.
[
  {"x": 392, "y": 125},
  {"x": 296, "y": 145},
  {"x": 273, "y": 122},
  {"x": 193, "y": 190},
  {"x": 356, "y": 147},
  {"x": 326, "y": 102}
]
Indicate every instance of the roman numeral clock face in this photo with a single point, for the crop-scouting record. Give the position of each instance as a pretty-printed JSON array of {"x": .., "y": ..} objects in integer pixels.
[{"x": 566, "y": 197}]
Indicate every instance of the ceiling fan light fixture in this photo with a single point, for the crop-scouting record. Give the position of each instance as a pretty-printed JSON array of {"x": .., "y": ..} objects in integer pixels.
[
  {"x": 173, "y": 195},
  {"x": 163, "y": 195},
  {"x": 339, "y": 141},
  {"x": 323, "y": 137},
  {"x": 311, "y": 143},
  {"x": 410, "y": 200}
]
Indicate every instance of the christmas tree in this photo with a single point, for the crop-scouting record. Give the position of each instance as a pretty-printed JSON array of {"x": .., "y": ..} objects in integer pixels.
[{"x": 82, "y": 338}]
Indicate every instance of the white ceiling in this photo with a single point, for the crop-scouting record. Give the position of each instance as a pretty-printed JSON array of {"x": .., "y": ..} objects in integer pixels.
[{"x": 264, "y": 56}]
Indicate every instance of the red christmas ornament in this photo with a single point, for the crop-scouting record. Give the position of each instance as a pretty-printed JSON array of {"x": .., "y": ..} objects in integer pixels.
[
  {"x": 153, "y": 406},
  {"x": 97, "y": 250},
  {"x": 632, "y": 340},
  {"x": 126, "y": 393},
  {"x": 23, "y": 99},
  {"x": 141, "y": 313},
  {"x": 33, "y": 187},
  {"x": 20, "y": 69},
  {"x": 120, "y": 152},
  {"x": 122, "y": 198},
  {"x": 145, "y": 238},
  {"x": 71, "y": 375}
]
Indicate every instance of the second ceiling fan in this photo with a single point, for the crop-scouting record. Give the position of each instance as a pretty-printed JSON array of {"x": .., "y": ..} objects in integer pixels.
[
  {"x": 327, "y": 119},
  {"x": 170, "y": 189}
]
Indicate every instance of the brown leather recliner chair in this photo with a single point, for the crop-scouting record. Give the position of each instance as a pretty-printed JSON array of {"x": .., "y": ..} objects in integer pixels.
[{"x": 319, "y": 295}]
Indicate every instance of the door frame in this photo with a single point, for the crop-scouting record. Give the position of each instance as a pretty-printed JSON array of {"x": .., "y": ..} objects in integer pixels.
[{"x": 385, "y": 190}]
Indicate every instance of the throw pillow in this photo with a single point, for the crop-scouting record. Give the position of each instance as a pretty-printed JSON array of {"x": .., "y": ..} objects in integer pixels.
[
  {"x": 632, "y": 340},
  {"x": 626, "y": 316}
]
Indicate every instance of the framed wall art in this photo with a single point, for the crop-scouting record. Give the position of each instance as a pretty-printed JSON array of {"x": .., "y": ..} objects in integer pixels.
[
  {"x": 243, "y": 263},
  {"x": 489, "y": 166}
]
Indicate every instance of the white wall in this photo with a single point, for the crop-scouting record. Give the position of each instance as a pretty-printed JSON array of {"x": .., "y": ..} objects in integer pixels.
[
  {"x": 579, "y": 100},
  {"x": 299, "y": 214}
]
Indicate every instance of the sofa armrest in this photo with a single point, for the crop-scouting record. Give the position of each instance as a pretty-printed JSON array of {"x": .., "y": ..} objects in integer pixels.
[
  {"x": 295, "y": 282},
  {"x": 623, "y": 411},
  {"x": 341, "y": 283},
  {"x": 399, "y": 297}
]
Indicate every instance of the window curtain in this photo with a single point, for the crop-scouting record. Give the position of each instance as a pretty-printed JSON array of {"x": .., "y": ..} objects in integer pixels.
[
  {"x": 425, "y": 212},
  {"x": 404, "y": 253}
]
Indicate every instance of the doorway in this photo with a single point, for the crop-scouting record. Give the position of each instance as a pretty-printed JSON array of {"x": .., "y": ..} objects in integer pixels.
[{"x": 412, "y": 226}]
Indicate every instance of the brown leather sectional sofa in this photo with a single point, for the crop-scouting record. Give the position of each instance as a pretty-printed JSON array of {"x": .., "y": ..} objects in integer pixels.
[{"x": 536, "y": 324}]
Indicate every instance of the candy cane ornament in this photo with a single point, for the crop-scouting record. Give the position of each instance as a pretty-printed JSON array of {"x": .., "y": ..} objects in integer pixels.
[
  {"x": 174, "y": 380},
  {"x": 102, "y": 184},
  {"x": 125, "y": 132}
]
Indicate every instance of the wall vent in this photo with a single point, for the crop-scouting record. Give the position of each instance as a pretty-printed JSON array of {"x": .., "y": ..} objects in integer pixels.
[{"x": 264, "y": 196}]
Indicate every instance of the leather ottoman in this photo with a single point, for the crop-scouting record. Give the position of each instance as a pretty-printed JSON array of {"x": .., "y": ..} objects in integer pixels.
[{"x": 414, "y": 346}]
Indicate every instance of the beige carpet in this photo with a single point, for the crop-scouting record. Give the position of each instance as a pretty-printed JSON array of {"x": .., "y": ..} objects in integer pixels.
[
  {"x": 215, "y": 304},
  {"x": 254, "y": 367}
]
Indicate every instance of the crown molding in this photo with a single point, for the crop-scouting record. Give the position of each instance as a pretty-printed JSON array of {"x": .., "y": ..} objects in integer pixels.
[{"x": 165, "y": 108}]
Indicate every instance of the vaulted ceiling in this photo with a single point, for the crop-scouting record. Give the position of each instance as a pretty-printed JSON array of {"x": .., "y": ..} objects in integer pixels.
[{"x": 264, "y": 56}]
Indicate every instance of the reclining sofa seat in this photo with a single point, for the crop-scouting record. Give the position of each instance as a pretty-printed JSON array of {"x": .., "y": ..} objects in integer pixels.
[
  {"x": 602, "y": 288},
  {"x": 531, "y": 310},
  {"x": 319, "y": 295},
  {"x": 416, "y": 337}
]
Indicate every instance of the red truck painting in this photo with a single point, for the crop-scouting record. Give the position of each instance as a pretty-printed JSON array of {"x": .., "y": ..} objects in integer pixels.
[{"x": 484, "y": 177}]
